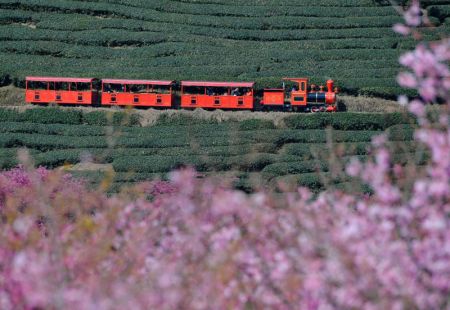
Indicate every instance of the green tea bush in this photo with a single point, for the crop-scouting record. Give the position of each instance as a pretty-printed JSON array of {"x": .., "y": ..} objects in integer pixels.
[
  {"x": 309, "y": 151},
  {"x": 101, "y": 118},
  {"x": 320, "y": 136},
  {"x": 255, "y": 124},
  {"x": 162, "y": 37},
  {"x": 51, "y": 129},
  {"x": 152, "y": 164},
  {"x": 52, "y": 116},
  {"x": 389, "y": 92},
  {"x": 56, "y": 158},
  {"x": 50, "y": 142},
  {"x": 226, "y": 150},
  {"x": 348, "y": 121},
  {"x": 280, "y": 169}
]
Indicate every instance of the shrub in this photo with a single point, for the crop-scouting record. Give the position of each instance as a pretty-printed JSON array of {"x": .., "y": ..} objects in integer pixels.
[
  {"x": 255, "y": 124},
  {"x": 348, "y": 121},
  {"x": 111, "y": 118}
]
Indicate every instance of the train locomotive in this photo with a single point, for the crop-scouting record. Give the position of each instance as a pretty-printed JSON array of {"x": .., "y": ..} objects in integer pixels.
[{"x": 186, "y": 95}]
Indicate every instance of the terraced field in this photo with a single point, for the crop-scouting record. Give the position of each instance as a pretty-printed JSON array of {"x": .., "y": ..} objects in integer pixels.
[
  {"x": 348, "y": 40},
  {"x": 252, "y": 152}
]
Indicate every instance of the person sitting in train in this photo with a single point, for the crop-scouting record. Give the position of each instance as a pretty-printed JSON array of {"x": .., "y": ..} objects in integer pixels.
[
  {"x": 209, "y": 91},
  {"x": 235, "y": 92}
]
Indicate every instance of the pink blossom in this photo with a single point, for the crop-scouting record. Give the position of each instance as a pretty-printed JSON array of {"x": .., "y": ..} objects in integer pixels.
[
  {"x": 427, "y": 90},
  {"x": 407, "y": 80},
  {"x": 416, "y": 107},
  {"x": 413, "y": 15},
  {"x": 402, "y": 29}
]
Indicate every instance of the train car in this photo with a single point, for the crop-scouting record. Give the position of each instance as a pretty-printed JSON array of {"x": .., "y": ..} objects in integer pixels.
[
  {"x": 138, "y": 93},
  {"x": 302, "y": 97},
  {"x": 194, "y": 94},
  {"x": 217, "y": 95},
  {"x": 45, "y": 90}
]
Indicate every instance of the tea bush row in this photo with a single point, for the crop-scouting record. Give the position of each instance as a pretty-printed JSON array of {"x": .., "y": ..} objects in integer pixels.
[
  {"x": 67, "y": 122},
  {"x": 156, "y": 163},
  {"x": 311, "y": 151},
  {"x": 269, "y": 9},
  {"x": 348, "y": 121},
  {"x": 68, "y": 44},
  {"x": 72, "y": 117},
  {"x": 277, "y": 22},
  {"x": 315, "y": 181},
  {"x": 311, "y": 166}
]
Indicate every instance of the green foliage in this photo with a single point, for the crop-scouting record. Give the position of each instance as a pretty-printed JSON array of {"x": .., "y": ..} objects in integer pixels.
[
  {"x": 101, "y": 118},
  {"x": 348, "y": 121},
  {"x": 255, "y": 150},
  {"x": 389, "y": 92},
  {"x": 254, "y": 124},
  {"x": 349, "y": 41},
  {"x": 50, "y": 115}
]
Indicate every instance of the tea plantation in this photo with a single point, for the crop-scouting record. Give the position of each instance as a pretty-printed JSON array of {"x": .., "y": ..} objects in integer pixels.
[
  {"x": 350, "y": 41},
  {"x": 251, "y": 152}
]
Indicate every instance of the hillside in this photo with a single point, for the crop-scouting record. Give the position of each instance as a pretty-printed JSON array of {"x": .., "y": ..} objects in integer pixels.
[
  {"x": 350, "y": 41},
  {"x": 293, "y": 149}
]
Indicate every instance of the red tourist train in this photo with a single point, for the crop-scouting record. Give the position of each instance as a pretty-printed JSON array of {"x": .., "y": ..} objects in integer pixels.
[{"x": 190, "y": 94}]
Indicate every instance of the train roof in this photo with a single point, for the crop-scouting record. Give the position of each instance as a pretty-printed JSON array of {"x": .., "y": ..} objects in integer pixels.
[
  {"x": 139, "y": 82},
  {"x": 58, "y": 79},
  {"x": 217, "y": 84}
]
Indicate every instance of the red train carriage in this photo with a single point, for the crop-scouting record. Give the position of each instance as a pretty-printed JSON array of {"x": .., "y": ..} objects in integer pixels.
[
  {"x": 79, "y": 91},
  {"x": 302, "y": 96},
  {"x": 217, "y": 95},
  {"x": 139, "y": 93}
]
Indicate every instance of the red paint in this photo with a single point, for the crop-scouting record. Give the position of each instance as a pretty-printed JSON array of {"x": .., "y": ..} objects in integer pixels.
[
  {"x": 150, "y": 94},
  {"x": 49, "y": 93},
  {"x": 221, "y": 96},
  {"x": 273, "y": 96}
]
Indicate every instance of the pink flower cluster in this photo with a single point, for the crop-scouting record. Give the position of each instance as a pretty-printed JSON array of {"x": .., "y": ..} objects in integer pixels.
[
  {"x": 197, "y": 241},
  {"x": 413, "y": 18},
  {"x": 193, "y": 243},
  {"x": 428, "y": 63}
]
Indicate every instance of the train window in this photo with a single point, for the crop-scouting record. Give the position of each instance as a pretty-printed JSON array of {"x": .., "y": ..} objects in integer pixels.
[
  {"x": 302, "y": 87},
  {"x": 136, "y": 99},
  {"x": 80, "y": 97},
  {"x": 216, "y": 91},
  {"x": 246, "y": 92},
  {"x": 114, "y": 88},
  {"x": 158, "y": 99},
  {"x": 37, "y": 96},
  {"x": 61, "y": 86},
  {"x": 299, "y": 98},
  {"x": 193, "y": 90},
  {"x": 73, "y": 86},
  {"x": 240, "y": 101},
  {"x": 137, "y": 88},
  {"x": 193, "y": 100},
  {"x": 216, "y": 101},
  {"x": 161, "y": 89},
  {"x": 58, "y": 97},
  {"x": 113, "y": 98},
  {"x": 38, "y": 85},
  {"x": 83, "y": 86}
]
